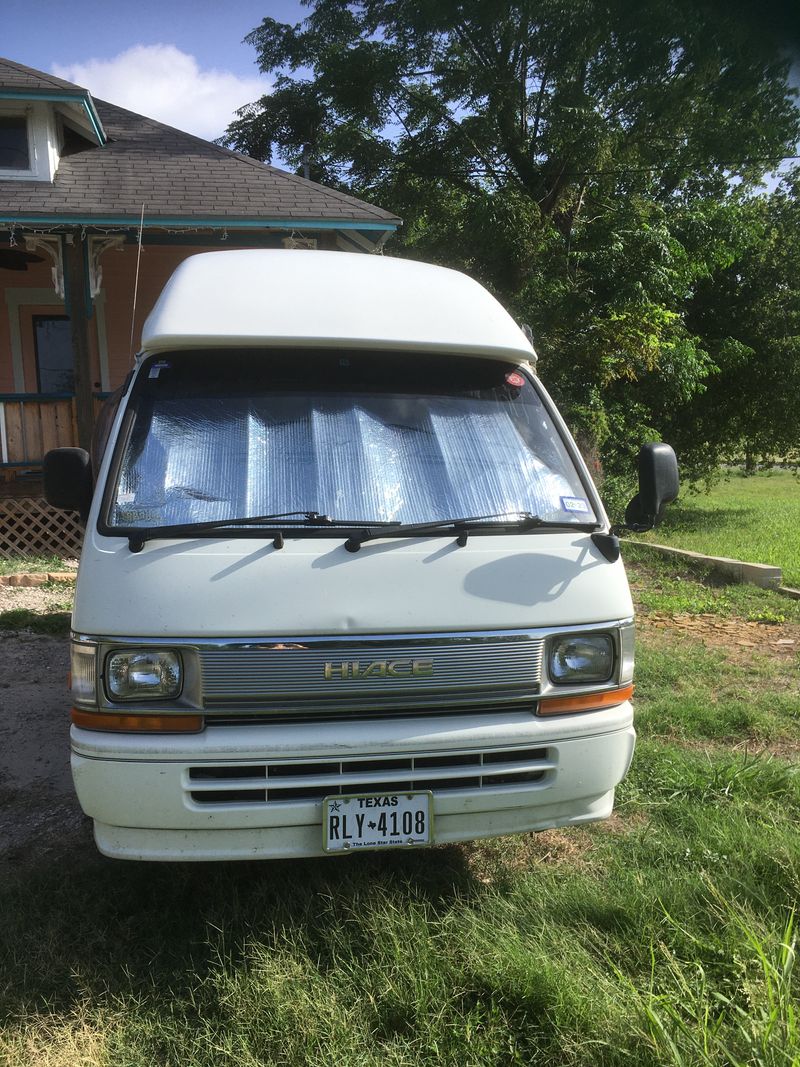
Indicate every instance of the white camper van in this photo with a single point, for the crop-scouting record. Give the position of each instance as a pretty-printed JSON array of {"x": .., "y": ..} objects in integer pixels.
[{"x": 346, "y": 583}]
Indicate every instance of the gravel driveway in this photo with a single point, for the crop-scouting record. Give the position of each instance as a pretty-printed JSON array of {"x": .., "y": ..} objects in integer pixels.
[{"x": 39, "y": 815}]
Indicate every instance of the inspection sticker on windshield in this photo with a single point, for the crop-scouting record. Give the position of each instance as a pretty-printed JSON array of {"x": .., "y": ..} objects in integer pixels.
[
  {"x": 575, "y": 503},
  {"x": 377, "y": 820}
]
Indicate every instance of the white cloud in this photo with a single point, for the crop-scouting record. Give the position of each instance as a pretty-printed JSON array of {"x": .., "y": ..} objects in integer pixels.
[{"x": 166, "y": 84}]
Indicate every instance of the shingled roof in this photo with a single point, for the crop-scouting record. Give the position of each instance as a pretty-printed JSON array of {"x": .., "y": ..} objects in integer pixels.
[
  {"x": 16, "y": 76},
  {"x": 180, "y": 179}
]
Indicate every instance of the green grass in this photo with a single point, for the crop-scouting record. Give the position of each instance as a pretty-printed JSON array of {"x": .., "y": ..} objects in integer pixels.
[
  {"x": 32, "y": 565},
  {"x": 754, "y": 518},
  {"x": 661, "y": 584},
  {"x": 693, "y": 693},
  {"x": 663, "y": 937}
]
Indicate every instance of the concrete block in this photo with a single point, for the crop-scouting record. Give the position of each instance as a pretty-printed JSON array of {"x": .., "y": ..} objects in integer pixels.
[{"x": 761, "y": 574}]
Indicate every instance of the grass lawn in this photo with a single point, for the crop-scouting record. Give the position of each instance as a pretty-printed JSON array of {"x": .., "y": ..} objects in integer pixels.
[
  {"x": 32, "y": 564},
  {"x": 663, "y": 936},
  {"x": 754, "y": 518}
]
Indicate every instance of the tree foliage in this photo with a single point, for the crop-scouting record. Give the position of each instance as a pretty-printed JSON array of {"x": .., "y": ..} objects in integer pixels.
[
  {"x": 749, "y": 316},
  {"x": 591, "y": 161}
]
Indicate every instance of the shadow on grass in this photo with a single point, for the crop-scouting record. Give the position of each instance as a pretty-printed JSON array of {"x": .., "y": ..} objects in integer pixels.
[
  {"x": 105, "y": 927},
  {"x": 55, "y": 623},
  {"x": 654, "y": 568},
  {"x": 363, "y": 952},
  {"x": 684, "y": 519}
]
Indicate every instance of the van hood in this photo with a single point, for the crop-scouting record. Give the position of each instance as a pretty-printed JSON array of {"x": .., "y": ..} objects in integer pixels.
[{"x": 226, "y": 587}]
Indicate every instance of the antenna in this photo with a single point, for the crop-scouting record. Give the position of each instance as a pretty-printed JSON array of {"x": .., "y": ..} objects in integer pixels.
[{"x": 136, "y": 283}]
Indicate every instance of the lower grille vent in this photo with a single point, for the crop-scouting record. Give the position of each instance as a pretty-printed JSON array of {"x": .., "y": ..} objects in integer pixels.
[{"x": 443, "y": 773}]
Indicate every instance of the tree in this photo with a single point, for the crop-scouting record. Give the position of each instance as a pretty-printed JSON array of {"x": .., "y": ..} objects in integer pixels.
[
  {"x": 749, "y": 316},
  {"x": 577, "y": 156}
]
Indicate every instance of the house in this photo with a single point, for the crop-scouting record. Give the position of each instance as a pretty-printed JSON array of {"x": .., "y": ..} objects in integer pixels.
[{"x": 98, "y": 205}]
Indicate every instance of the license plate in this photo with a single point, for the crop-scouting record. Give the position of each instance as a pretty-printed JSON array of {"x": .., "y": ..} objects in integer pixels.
[{"x": 377, "y": 820}]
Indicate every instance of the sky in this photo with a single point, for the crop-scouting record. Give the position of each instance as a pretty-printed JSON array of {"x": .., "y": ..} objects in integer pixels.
[{"x": 182, "y": 62}]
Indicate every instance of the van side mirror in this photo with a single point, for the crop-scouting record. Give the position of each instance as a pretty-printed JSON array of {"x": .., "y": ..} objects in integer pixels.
[
  {"x": 68, "y": 480},
  {"x": 658, "y": 486}
]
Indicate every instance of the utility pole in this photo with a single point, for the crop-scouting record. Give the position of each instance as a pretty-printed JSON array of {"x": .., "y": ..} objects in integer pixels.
[{"x": 80, "y": 312}]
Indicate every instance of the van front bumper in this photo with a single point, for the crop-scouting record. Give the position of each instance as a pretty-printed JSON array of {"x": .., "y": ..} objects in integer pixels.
[{"x": 142, "y": 791}]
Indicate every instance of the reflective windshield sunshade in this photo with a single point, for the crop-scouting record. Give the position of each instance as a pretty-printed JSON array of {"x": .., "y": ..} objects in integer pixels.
[{"x": 384, "y": 438}]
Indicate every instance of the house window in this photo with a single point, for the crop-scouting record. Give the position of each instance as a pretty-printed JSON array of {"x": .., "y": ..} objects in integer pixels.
[
  {"x": 14, "y": 147},
  {"x": 54, "y": 363}
]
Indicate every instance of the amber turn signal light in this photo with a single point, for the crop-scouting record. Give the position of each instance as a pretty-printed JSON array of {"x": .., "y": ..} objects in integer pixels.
[
  {"x": 138, "y": 724},
  {"x": 584, "y": 702}
]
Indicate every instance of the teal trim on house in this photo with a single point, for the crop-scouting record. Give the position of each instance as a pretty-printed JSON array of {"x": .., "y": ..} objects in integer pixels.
[
  {"x": 210, "y": 224},
  {"x": 84, "y": 99}
]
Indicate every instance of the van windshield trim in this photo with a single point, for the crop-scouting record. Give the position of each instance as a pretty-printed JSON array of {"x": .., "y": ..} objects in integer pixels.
[
  {"x": 452, "y": 377},
  {"x": 138, "y": 538},
  {"x": 360, "y": 532}
]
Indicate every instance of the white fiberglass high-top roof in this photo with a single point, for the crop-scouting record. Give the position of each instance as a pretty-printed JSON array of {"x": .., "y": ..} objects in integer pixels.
[{"x": 299, "y": 298}]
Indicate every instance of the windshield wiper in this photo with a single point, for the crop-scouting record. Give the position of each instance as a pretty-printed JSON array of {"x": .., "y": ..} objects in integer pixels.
[
  {"x": 521, "y": 521},
  {"x": 137, "y": 540},
  {"x": 518, "y": 521}
]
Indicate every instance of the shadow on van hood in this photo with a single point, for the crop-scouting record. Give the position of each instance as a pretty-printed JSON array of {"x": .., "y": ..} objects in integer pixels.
[{"x": 240, "y": 588}]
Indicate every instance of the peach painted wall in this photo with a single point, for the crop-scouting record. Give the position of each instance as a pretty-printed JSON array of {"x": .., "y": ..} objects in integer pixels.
[
  {"x": 37, "y": 277},
  {"x": 119, "y": 271},
  {"x": 119, "y": 274}
]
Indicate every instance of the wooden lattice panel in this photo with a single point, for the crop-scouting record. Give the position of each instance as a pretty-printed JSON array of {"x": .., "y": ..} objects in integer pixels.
[{"x": 30, "y": 527}]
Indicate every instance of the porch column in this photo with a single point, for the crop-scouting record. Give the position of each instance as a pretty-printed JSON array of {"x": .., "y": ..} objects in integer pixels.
[{"x": 76, "y": 277}]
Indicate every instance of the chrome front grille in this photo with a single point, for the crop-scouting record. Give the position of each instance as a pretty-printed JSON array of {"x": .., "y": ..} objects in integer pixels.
[
  {"x": 443, "y": 773},
  {"x": 387, "y": 709},
  {"x": 372, "y": 672}
]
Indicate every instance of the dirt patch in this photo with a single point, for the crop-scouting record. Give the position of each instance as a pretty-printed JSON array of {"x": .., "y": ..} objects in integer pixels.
[
  {"x": 39, "y": 815},
  {"x": 42, "y": 599},
  {"x": 492, "y": 865},
  {"x": 572, "y": 847},
  {"x": 751, "y": 747},
  {"x": 552, "y": 846},
  {"x": 738, "y": 636}
]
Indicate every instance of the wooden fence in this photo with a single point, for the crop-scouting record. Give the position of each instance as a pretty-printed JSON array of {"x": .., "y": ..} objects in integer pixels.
[
  {"x": 30, "y": 425},
  {"x": 30, "y": 527},
  {"x": 33, "y": 423}
]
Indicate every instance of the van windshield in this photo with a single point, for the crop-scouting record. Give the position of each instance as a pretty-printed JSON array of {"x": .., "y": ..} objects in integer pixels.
[{"x": 367, "y": 436}]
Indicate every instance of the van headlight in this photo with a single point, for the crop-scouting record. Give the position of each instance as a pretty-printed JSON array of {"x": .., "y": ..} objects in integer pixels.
[
  {"x": 577, "y": 658},
  {"x": 143, "y": 674}
]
